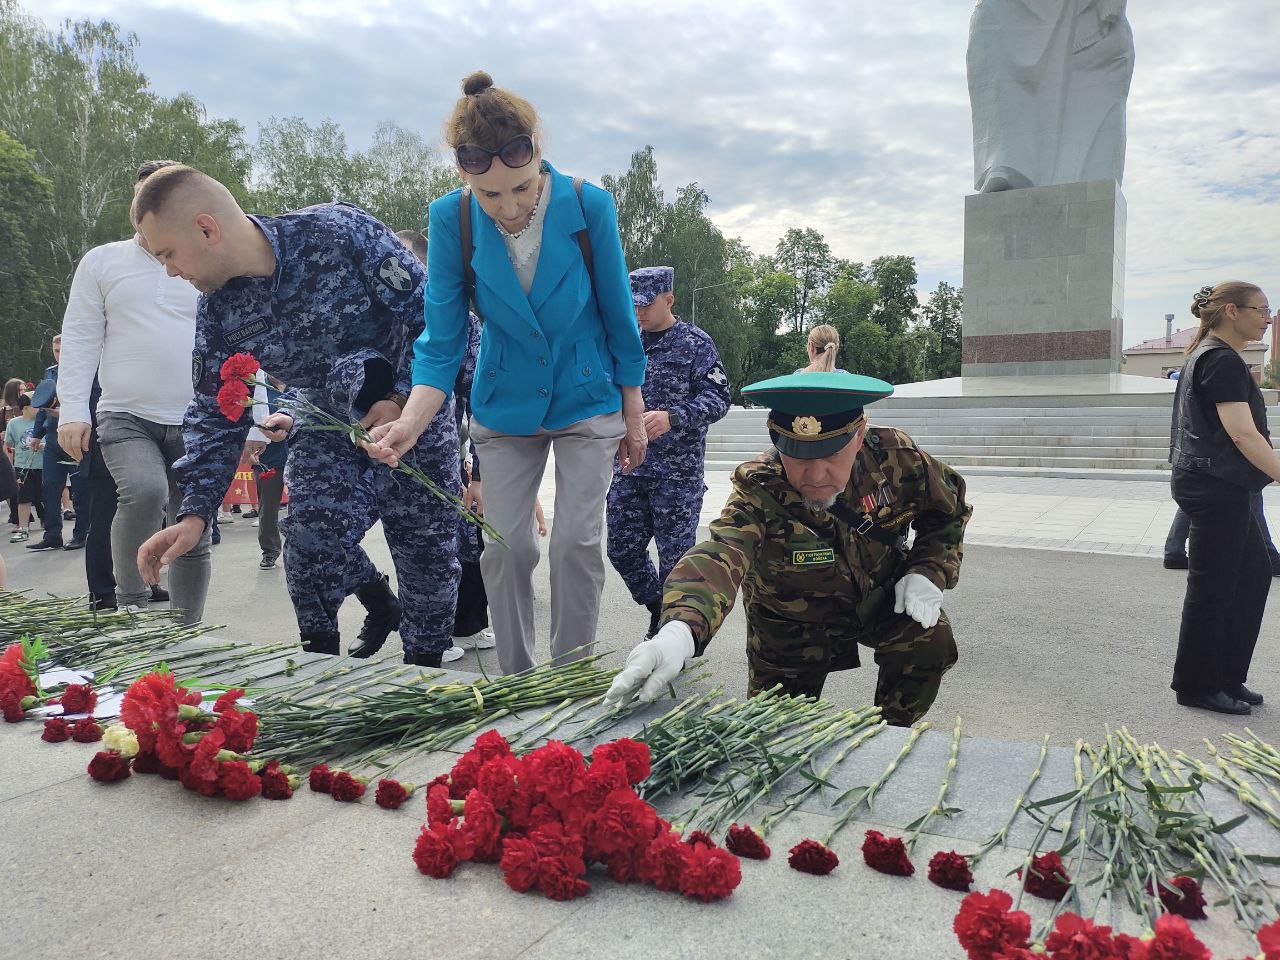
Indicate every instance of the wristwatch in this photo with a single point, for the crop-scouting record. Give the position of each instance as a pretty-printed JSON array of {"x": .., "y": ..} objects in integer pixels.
[
  {"x": 675, "y": 420},
  {"x": 399, "y": 399}
]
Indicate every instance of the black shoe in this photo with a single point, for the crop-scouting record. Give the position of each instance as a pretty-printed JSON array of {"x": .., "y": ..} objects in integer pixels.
[
  {"x": 1217, "y": 702},
  {"x": 250, "y": 515},
  {"x": 75, "y": 543},
  {"x": 1175, "y": 562},
  {"x": 1275, "y": 568},
  {"x": 158, "y": 594},
  {"x": 1241, "y": 692},
  {"x": 45, "y": 545},
  {"x": 106, "y": 601},
  {"x": 655, "y": 614},
  {"x": 68, "y": 515},
  {"x": 420, "y": 658},
  {"x": 267, "y": 562},
  {"x": 382, "y": 618},
  {"x": 322, "y": 642}
]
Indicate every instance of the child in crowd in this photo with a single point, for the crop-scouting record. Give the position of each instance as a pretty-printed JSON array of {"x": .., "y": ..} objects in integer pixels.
[{"x": 24, "y": 450}]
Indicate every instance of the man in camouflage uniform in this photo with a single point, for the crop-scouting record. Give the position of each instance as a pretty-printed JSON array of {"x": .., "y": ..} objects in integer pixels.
[
  {"x": 685, "y": 391},
  {"x": 329, "y": 301},
  {"x": 814, "y": 534}
]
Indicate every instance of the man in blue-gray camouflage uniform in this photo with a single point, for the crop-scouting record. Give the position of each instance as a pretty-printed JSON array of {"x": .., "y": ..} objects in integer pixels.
[
  {"x": 328, "y": 300},
  {"x": 685, "y": 391}
]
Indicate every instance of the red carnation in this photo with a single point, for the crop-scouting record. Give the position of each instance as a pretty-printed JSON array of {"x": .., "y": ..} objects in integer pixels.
[
  {"x": 519, "y": 863},
  {"x": 267, "y": 474},
  {"x": 237, "y": 781},
  {"x": 496, "y": 780},
  {"x": 709, "y": 873},
  {"x": 1269, "y": 940},
  {"x": 1185, "y": 899},
  {"x": 15, "y": 681},
  {"x": 276, "y": 784},
  {"x": 439, "y": 850},
  {"x": 1048, "y": 878},
  {"x": 561, "y": 885},
  {"x": 491, "y": 745},
  {"x": 240, "y": 727},
  {"x": 809, "y": 856},
  {"x": 232, "y": 397},
  {"x": 78, "y": 698},
  {"x": 1077, "y": 938},
  {"x": 200, "y": 773},
  {"x": 886, "y": 854},
  {"x": 553, "y": 841},
  {"x": 622, "y": 822},
  {"x": 11, "y": 705},
  {"x": 146, "y": 761},
  {"x": 630, "y": 753},
  {"x": 320, "y": 778},
  {"x": 745, "y": 842},
  {"x": 55, "y": 730},
  {"x": 228, "y": 699},
  {"x": 439, "y": 809},
  {"x": 390, "y": 794},
  {"x": 557, "y": 770},
  {"x": 239, "y": 365},
  {"x": 663, "y": 861},
  {"x": 465, "y": 774},
  {"x": 699, "y": 836},
  {"x": 986, "y": 926},
  {"x": 1175, "y": 941},
  {"x": 950, "y": 870},
  {"x": 86, "y": 731},
  {"x": 108, "y": 766},
  {"x": 485, "y": 826},
  {"x": 346, "y": 788}
]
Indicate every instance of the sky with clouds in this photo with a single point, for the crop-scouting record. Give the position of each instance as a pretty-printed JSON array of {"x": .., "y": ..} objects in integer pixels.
[{"x": 849, "y": 118}]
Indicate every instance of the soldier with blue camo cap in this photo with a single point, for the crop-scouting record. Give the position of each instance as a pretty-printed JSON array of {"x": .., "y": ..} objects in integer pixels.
[
  {"x": 814, "y": 534},
  {"x": 329, "y": 300},
  {"x": 685, "y": 391}
]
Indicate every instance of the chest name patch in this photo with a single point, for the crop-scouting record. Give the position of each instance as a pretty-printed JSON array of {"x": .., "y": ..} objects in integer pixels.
[
  {"x": 251, "y": 329},
  {"x": 813, "y": 558}
]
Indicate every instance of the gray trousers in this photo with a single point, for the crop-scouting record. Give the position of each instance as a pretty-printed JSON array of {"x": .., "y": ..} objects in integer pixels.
[
  {"x": 511, "y": 468},
  {"x": 140, "y": 455},
  {"x": 270, "y": 493}
]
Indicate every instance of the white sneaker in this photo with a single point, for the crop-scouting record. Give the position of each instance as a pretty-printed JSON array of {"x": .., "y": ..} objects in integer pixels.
[
  {"x": 131, "y": 608},
  {"x": 477, "y": 641},
  {"x": 254, "y": 524},
  {"x": 453, "y": 653}
]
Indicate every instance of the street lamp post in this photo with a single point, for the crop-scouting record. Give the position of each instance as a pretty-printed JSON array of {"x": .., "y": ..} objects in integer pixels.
[{"x": 709, "y": 286}]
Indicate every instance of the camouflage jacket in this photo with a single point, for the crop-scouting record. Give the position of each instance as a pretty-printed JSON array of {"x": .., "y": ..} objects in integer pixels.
[
  {"x": 683, "y": 376},
  {"x": 336, "y": 321},
  {"x": 798, "y": 569}
]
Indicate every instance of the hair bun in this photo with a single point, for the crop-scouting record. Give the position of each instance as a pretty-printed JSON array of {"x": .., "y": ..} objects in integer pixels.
[{"x": 477, "y": 82}]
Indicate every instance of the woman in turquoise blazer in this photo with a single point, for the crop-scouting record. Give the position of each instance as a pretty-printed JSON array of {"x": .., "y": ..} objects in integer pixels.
[{"x": 561, "y": 362}]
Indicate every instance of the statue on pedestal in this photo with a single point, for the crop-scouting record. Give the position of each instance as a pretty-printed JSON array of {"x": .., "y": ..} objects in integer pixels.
[{"x": 1048, "y": 80}]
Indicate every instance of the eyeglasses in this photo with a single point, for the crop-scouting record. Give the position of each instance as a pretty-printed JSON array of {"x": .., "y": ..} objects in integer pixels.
[
  {"x": 1265, "y": 311},
  {"x": 475, "y": 160}
]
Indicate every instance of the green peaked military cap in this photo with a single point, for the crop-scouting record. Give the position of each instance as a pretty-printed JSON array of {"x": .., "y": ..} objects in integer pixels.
[{"x": 815, "y": 415}]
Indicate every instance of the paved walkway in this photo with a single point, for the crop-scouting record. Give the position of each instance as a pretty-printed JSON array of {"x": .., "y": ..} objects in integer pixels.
[{"x": 1126, "y": 517}]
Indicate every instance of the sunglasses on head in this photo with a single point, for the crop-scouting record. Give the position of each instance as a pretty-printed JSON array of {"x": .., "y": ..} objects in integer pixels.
[{"x": 475, "y": 160}]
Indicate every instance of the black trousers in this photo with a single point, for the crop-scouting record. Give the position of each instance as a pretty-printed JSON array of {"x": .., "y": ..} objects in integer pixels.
[
  {"x": 99, "y": 572},
  {"x": 1227, "y": 584}
]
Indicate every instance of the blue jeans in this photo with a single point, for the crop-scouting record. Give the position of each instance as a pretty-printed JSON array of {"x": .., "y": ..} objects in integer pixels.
[
  {"x": 1175, "y": 545},
  {"x": 55, "y": 476}
]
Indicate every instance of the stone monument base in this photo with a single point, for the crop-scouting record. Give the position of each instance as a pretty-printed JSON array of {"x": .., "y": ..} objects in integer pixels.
[{"x": 1044, "y": 281}]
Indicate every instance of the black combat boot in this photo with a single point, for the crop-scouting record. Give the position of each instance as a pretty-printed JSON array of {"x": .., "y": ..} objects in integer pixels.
[
  {"x": 420, "y": 658},
  {"x": 322, "y": 641},
  {"x": 382, "y": 618},
  {"x": 655, "y": 612}
]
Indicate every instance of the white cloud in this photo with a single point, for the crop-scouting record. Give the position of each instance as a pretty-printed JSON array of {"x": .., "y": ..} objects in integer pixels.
[{"x": 852, "y": 119}]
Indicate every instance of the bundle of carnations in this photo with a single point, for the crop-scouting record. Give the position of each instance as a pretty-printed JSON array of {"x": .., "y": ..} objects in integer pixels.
[
  {"x": 989, "y": 929},
  {"x": 544, "y": 816},
  {"x": 18, "y": 675},
  {"x": 174, "y": 737}
]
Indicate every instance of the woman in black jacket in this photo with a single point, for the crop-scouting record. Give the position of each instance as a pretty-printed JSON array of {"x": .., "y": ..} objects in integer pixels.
[{"x": 1221, "y": 455}]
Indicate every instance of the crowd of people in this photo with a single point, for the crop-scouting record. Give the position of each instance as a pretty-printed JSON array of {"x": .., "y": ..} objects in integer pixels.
[{"x": 512, "y": 331}]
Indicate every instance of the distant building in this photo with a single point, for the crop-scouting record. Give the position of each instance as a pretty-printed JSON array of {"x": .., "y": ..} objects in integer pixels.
[{"x": 1155, "y": 358}]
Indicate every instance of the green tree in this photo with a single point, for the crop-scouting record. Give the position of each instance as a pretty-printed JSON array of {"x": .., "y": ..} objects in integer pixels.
[
  {"x": 942, "y": 316},
  {"x": 806, "y": 256},
  {"x": 24, "y": 200},
  {"x": 894, "y": 278},
  {"x": 642, "y": 211}
]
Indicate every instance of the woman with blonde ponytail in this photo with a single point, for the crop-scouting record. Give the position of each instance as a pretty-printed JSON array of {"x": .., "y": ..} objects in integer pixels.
[
  {"x": 1222, "y": 458},
  {"x": 822, "y": 347}
]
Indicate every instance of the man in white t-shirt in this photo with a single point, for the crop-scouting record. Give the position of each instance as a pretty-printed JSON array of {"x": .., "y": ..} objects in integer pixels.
[{"x": 133, "y": 325}]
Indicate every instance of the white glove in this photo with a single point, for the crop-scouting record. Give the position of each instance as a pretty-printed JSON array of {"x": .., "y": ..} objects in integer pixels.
[
  {"x": 654, "y": 663},
  {"x": 918, "y": 598}
]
